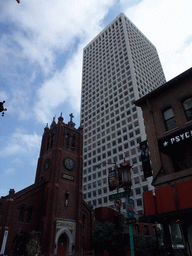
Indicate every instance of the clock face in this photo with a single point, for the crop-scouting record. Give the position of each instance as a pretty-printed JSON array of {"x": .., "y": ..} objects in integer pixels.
[
  {"x": 47, "y": 163},
  {"x": 69, "y": 163}
]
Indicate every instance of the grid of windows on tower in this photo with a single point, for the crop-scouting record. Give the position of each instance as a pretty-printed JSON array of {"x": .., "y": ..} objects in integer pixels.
[{"x": 119, "y": 66}]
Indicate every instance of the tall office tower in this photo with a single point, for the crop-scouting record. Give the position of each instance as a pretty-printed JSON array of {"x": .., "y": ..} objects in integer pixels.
[{"x": 119, "y": 66}]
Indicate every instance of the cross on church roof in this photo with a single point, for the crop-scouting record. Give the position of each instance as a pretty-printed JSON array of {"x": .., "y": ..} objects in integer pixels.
[{"x": 71, "y": 117}]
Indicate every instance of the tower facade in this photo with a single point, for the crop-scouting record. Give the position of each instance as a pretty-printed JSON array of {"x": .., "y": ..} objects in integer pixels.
[
  {"x": 119, "y": 66},
  {"x": 60, "y": 166}
]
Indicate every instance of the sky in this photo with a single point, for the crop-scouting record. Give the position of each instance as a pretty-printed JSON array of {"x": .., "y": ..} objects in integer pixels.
[{"x": 42, "y": 43}]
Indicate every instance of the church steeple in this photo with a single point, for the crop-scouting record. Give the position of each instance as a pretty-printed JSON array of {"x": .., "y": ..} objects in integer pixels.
[
  {"x": 60, "y": 119},
  {"x": 46, "y": 128},
  {"x": 70, "y": 123},
  {"x": 53, "y": 123}
]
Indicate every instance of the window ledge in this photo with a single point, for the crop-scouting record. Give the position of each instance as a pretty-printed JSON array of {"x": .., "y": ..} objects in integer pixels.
[
  {"x": 170, "y": 131},
  {"x": 188, "y": 122},
  {"x": 171, "y": 178}
]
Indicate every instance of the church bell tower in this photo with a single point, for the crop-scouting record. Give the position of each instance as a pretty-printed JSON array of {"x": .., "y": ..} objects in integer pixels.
[{"x": 60, "y": 166}]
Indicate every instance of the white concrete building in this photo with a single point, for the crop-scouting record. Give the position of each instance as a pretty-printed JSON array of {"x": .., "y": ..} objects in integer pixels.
[{"x": 119, "y": 66}]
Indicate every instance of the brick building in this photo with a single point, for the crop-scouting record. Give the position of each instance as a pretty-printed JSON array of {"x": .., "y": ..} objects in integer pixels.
[
  {"x": 51, "y": 210},
  {"x": 167, "y": 113},
  {"x": 106, "y": 214}
]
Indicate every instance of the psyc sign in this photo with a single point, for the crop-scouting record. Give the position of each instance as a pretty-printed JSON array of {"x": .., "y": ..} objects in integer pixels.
[
  {"x": 178, "y": 138},
  {"x": 175, "y": 138}
]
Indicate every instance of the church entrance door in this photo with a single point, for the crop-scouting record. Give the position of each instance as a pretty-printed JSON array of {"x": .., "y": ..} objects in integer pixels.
[{"x": 62, "y": 245}]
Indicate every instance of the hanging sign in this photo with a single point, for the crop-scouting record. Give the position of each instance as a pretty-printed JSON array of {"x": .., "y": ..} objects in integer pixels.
[
  {"x": 129, "y": 202},
  {"x": 145, "y": 159}
]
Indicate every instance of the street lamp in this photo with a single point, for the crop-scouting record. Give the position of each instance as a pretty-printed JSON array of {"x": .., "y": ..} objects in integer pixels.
[
  {"x": 125, "y": 173},
  {"x": 121, "y": 178}
]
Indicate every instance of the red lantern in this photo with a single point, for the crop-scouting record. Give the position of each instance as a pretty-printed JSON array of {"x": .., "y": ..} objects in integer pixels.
[{"x": 126, "y": 175}]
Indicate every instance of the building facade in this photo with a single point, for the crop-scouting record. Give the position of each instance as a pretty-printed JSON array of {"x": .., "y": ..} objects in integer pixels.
[
  {"x": 119, "y": 66},
  {"x": 52, "y": 210},
  {"x": 167, "y": 113}
]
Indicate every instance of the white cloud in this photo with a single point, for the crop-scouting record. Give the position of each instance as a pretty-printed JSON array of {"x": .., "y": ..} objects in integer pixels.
[
  {"x": 40, "y": 32},
  {"x": 44, "y": 27},
  {"x": 64, "y": 86},
  {"x": 43, "y": 30},
  {"x": 21, "y": 143},
  {"x": 167, "y": 24}
]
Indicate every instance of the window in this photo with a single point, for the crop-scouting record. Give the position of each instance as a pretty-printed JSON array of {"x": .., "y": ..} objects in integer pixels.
[
  {"x": 67, "y": 140},
  {"x": 169, "y": 119},
  {"x": 94, "y": 193},
  {"x": 137, "y": 228},
  {"x": 105, "y": 199},
  {"x": 73, "y": 143},
  {"x": 21, "y": 213},
  {"x": 94, "y": 203},
  {"x": 136, "y": 180},
  {"x": 138, "y": 191},
  {"x": 139, "y": 202},
  {"x": 29, "y": 215},
  {"x": 187, "y": 104},
  {"x": 100, "y": 201},
  {"x": 145, "y": 188},
  {"x": 146, "y": 230}
]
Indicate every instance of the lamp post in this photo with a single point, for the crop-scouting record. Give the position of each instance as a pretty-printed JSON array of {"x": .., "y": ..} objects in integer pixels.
[
  {"x": 123, "y": 180},
  {"x": 125, "y": 169}
]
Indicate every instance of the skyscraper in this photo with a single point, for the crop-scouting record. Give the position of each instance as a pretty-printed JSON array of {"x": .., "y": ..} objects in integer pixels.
[{"x": 119, "y": 66}]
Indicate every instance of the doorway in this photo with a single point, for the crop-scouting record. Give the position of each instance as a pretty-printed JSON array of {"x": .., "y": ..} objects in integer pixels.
[{"x": 62, "y": 245}]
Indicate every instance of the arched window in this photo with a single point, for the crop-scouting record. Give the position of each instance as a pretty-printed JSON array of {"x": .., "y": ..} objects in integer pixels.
[
  {"x": 30, "y": 213},
  {"x": 21, "y": 213},
  {"x": 48, "y": 142},
  {"x": 187, "y": 104},
  {"x": 67, "y": 140},
  {"x": 84, "y": 221},
  {"x": 73, "y": 143},
  {"x": 52, "y": 136}
]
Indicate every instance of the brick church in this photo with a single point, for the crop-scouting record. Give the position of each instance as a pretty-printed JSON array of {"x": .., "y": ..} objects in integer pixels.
[{"x": 52, "y": 210}]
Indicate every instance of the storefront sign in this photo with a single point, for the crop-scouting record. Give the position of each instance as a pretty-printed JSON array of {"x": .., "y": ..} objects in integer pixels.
[{"x": 175, "y": 139}]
